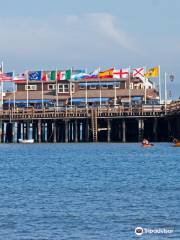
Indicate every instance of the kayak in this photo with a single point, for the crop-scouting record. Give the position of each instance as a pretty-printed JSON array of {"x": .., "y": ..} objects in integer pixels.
[
  {"x": 147, "y": 145},
  {"x": 177, "y": 144}
]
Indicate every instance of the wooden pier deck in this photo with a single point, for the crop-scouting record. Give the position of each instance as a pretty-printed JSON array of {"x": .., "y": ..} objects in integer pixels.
[{"x": 73, "y": 124}]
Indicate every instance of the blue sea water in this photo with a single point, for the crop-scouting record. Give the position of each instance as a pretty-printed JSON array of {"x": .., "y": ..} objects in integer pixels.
[{"x": 88, "y": 191}]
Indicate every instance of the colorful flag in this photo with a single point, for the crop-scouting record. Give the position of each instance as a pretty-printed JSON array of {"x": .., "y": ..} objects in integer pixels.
[
  {"x": 34, "y": 75},
  {"x": 19, "y": 78},
  {"x": 53, "y": 75},
  {"x": 48, "y": 75},
  {"x": 95, "y": 73},
  {"x": 80, "y": 76},
  {"x": 122, "y": 73},
  {"x": 68, "y": 75},
  {"x": 59, "y": 75},
  {"x": 152, "y": 72},
  {"x": 63, "y": 75},
  {"x": 106, "y": 74},
  {"x": 5, "y": 77},
  {"x": 77, "y": 71},
  {"x": 10, "y": 74},
  {"x": 138, "y": 73}
]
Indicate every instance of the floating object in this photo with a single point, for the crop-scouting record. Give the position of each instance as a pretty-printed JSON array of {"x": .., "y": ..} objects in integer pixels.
[
  {"x": 26, "y": 140},
  {"x": 176, "y": 144},
  {"x": 147, "y": 145}
]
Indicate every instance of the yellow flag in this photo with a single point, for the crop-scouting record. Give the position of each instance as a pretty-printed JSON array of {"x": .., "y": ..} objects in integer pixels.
[
  {"x": 152, "y": 72},
  {"x": 106, "y": 74}
]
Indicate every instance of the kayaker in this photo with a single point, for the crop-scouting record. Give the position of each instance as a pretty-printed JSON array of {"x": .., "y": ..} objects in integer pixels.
[{"x": 145, "y": 141}]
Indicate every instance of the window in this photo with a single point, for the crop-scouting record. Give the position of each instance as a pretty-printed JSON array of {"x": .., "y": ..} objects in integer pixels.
[
  {"x": 63, "y": 88},
  {"x": 51, "y": 86},
  {"x": 117, "y": 85},
  {"x": 92, "y": 87},
  {"x": 31, "y": 87},
  {"x": 105, "y": 86},
  {"x": 82, "y": 87},
  {"x": 72, "y": 87}
]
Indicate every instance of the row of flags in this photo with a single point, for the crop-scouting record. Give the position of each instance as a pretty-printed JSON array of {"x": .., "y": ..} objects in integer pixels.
[{"x": 57, "y": 75}]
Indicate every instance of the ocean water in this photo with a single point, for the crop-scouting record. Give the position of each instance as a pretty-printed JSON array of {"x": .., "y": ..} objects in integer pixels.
[{"x": 88, "y": 191}]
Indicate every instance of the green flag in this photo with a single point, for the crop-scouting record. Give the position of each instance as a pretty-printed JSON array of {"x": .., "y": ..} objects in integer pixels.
[
  {"x": 53, "y": 76},
  {"x": 68, "y": 74}
]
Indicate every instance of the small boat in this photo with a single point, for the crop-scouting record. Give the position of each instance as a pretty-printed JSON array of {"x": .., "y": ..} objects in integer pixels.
[
  {"x": 26, "y": 140},
  {"x": 176, "y": 144},
  {"x": 147, "y": 145}
]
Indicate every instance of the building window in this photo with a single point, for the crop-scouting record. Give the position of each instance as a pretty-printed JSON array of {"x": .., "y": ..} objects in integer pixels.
[
  {"x": 72, "y": 87},
  {"x": 92, "y": 87},
  {"x": 82, "y": 87},
  {"x": 117, "y": 85},
  {"x": 51, "y": 86},
  {"x": 31, "y": 87},
  {"x": 63, "y": 88}
]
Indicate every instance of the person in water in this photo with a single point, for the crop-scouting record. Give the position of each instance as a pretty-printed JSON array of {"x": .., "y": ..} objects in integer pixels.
[{"x": 145, "y": 141}]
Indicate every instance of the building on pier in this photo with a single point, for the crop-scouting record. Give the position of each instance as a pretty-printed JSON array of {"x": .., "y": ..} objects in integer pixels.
[{"x": 92, "y": 91}]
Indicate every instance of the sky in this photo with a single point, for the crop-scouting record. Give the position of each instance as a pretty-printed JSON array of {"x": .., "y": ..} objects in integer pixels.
[{"x": 45, "y": 35}]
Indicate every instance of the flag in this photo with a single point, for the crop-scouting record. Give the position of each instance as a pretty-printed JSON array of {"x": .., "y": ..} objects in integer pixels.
[
  {"x": 19, "y": 78},
  {"x": 53, "y": 75},
  {"x": 106, "y": 74},
  {"x": 152, "y": 72},
  {"x": 68, "y": 75},
  {"x": 80, "y": 76},
  {"x": 95, "y": 73},
  {"x": 122, "y": 73},
  {"x": 60, "y": 75},
  {"x": 138, "y": 73},
  {"x": 34, "y": 75},
  {"x": 5, "y": 77},
  {"x": 77, "y": 71},
  {"x": 48, "y": 76},
  {"x": 63, "y": 75}
]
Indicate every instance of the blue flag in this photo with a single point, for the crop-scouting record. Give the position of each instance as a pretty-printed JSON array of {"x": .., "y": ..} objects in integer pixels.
[
  {"x": 34, "y": 75},
  {"x": 10, "y": 74}
]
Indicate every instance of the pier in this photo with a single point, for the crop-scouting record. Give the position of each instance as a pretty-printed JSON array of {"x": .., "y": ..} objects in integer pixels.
[{"x": 93, "y": 124}]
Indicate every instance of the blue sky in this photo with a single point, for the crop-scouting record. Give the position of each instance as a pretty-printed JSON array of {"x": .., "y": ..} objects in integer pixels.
[{"x": 88, "y": 34}]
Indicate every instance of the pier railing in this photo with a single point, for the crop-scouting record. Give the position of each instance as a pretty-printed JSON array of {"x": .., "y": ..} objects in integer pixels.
[
  {"x": 75, "y": 112},
  {"x": 173, "y": 108}
]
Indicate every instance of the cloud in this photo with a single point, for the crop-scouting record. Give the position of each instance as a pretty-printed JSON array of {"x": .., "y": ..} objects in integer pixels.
[{"x": 73, "y": 37}]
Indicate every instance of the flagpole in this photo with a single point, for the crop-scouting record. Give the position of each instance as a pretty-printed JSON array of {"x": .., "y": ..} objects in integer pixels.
[
  {"x": 42, "y": 91},
  {"x": 165, "y": 91},
  {"x": 2, "y": 84},
  {"x": 145, "y": 93},
  {"x": 129, "y": 86},
  {"x": 159, "y": 84},
  {"x": 71, "y": 87},
  {"x": 14, "y": 92},
  {"x": 56, "y": 89},
  {"x": 115, "y": 94},
  {"x": 86, "y": 94},
  {"x": 99, "y": 89},
  {"x": 27, "y": 90}
]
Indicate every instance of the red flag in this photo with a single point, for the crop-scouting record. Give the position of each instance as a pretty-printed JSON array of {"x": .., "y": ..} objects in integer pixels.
[{"x": 5, "y": 78}]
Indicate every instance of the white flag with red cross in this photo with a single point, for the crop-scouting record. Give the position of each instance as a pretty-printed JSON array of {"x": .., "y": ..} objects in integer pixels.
[
  {"x": 121, "y": 73},
  {"x": 138, "y": 73}
]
